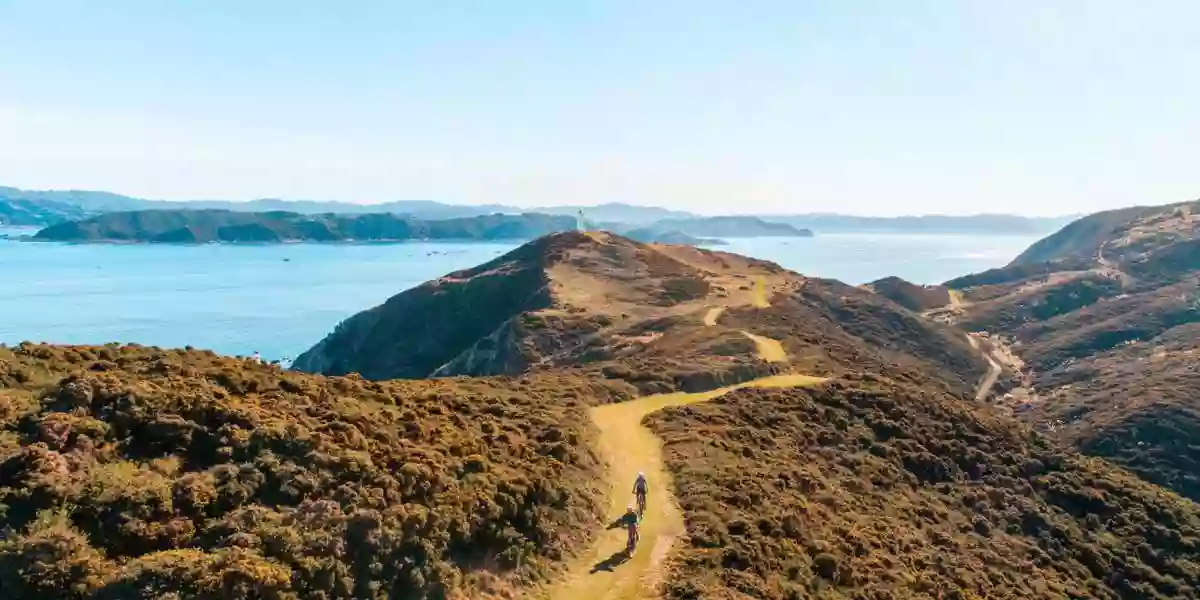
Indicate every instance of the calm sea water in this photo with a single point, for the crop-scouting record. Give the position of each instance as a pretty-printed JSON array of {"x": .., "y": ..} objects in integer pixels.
[{"x": 279, "y": 300}]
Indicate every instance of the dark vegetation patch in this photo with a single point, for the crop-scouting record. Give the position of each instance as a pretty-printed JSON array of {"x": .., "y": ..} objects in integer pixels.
[
  {"x": 133, "y": 472},
  {"x": 1137, "y": 405},
  {"x": 914, "y": 297},
  {"x": 1014, "y": 273},
  {"x": 864, "y": 488},
  {"x": 682, "y": 289},
  {"x": 1046, "y": 302},
  {"x": 1109, "y": 323},
  {"x": 1170, "y": 264}
]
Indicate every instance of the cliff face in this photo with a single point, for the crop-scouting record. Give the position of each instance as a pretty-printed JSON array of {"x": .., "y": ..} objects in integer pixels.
[
  {"x": 416, "y": 332},
  {"x": 201, "y": 226}
]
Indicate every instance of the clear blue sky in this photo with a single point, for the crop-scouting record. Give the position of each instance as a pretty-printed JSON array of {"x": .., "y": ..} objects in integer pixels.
[{"x": 869, "y": 107}]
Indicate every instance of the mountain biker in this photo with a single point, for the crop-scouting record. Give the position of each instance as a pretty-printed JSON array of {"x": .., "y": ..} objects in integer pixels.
[
  {"x": 631, "y": 523},
  {"x": 640, "y": 489}
]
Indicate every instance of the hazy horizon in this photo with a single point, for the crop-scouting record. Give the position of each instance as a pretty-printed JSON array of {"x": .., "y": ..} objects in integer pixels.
[
  {"x": 533, "y": 207},
  {"x": 871, "y": 108}
]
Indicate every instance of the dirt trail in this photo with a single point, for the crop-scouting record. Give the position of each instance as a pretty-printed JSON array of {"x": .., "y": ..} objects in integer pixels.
[
  {"x": 604, "y": 572},
  {"x": 761, "y": 300},
  {"x": 710, "y": 318},
  {"x": 768, "y": 349},
  {"x": 993, "y": 374},
  {"x": 956, "y": 298},
  {"x": 989, "y": 380}
]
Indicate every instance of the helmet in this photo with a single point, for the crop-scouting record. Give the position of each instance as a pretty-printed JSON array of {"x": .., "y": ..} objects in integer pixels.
[{"x": 641, "y": 475}]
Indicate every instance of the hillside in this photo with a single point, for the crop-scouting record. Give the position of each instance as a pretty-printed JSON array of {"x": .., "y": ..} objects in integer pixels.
[
  {"x": 202, "y": 226},
  {"x": 914, "y": 297},
  {"x": 637, "y": 313},
  {"x": 870, "y": 488},
  {"x": 804, "y": 439},
  {"x": 1105, "y": 333},
  {"x": 1115, "y": 234},
  {"x": 133, "y": 472},
  {"x": 36, "y": 213}
]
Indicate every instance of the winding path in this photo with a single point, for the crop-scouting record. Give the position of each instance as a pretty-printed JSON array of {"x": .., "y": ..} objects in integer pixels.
[
  {"x": 769, "y": 349},
  {"x": 605, "y": 572}
]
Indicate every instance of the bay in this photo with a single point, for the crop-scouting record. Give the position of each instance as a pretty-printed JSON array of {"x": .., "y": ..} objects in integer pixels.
[{"x": 280, "y": 299}]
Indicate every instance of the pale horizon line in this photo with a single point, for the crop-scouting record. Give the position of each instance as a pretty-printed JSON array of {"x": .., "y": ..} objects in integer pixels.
[{"x": 634, "y": 204}]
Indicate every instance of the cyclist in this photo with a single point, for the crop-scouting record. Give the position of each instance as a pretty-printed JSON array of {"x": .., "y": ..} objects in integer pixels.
[
  {"x": 631, "y": 523},
  {"x": 640, "y": 489}
]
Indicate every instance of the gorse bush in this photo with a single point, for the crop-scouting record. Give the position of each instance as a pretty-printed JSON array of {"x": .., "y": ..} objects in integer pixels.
[
  {"x": 868, "y": 489},
  {"x": 129, "y": 472}
]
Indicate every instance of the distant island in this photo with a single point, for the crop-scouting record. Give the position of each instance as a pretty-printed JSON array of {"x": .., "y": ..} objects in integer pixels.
[
  {"x": 722, "y": 227},
  {"x": 204, "y": 226},
  {"x": 650, "y": 235},
  {"x": 227, "y": 226},
  {"x": 85, "y": 203}
]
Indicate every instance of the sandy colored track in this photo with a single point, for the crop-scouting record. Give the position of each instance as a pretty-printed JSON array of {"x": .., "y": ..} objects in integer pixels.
[
  {"x": 956, "y": 298},
  {"x": 993, "y": 375},
  {"x": 768, "y": 349},
  {"x": 604, "y": 572},
  {"x": 710, "y": 317},
  {"x": 761, "y": 300}
]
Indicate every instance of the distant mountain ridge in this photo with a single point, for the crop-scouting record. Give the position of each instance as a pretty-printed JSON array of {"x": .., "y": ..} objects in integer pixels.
[
  {"x": 38, "y": 213},
  {"x": 930, "y": 224},
  {"x": 94, "y": 202}
]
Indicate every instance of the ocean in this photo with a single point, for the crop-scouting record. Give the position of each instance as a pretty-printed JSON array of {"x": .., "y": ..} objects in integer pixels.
[{"x": 280, "y": 299}]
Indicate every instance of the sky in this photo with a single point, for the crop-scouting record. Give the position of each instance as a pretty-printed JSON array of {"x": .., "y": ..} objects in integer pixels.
[{"x": 877, "y": 107}]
